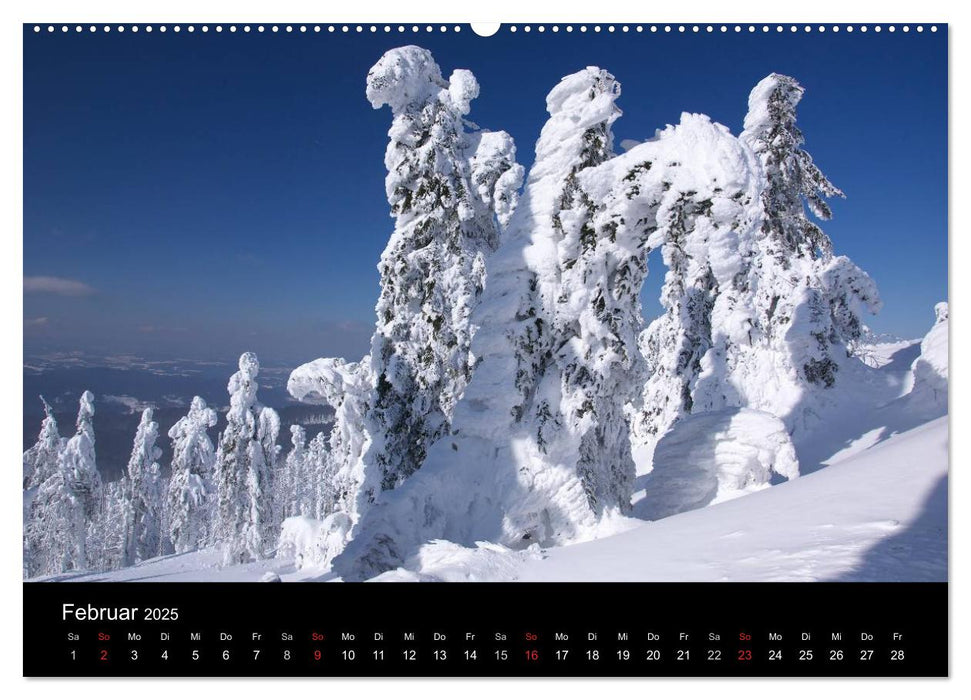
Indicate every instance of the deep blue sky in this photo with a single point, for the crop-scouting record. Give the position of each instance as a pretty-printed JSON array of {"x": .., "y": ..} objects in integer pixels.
[{"x": 225, "y": 192}]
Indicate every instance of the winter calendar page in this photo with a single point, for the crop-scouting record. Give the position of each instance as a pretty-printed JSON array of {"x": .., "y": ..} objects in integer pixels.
[{"x": 442, "y": 337}]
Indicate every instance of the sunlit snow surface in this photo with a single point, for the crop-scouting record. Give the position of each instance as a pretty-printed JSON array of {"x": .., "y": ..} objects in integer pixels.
[{"x": 878, "y": 516}]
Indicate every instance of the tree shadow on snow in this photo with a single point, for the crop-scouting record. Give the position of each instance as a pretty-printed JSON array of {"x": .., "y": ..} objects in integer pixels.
[
  {"x": 848, "y": 424},
  {"x": 685, "y": 480},
  {"x": 901, "y": 360},
  {"x": 916, "y": 553}
]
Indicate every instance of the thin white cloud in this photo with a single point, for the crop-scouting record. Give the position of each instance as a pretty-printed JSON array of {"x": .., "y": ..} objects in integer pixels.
[
  {"x": 56, "y": 285},
  {"x": 35, "y": 322}
]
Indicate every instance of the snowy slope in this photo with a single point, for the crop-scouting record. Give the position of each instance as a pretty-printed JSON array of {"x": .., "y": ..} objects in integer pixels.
[
  {"x": 878, "y": 516},
  {"x": 203, "y": 565}
]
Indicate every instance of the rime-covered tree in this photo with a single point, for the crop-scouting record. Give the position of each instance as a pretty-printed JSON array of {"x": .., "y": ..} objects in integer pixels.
[
  {"x": 539, "y": 450},
  {"x": 706, "y": 252},
  {"x": 508, "y": 428},
  {"x": 56, "y": 530},
  {"x": 783, "y": 324},
  {"x": 293, "y": 482},
  {"x": 109, "y": 532},
  {"x": 808, "y": 301},
  {"x": 564, "y": 331},
  {"x": 64, "y": 504},
  {"x": 450, "y": 188},
  {"x": 78, "y": 459},
  {"x": 191, "y": 495},
  {"x": 433, "y": 269},
  {"x": 928, "y": 395},
  {"x": 600, "y": 276},
  {"x": 242, "y": 476},
  {"x": 792, "y": 178},
  {"x": 144, "y": 539},
  {"x": 40, "y": 461},
  {"x": 335, "y": 458},
  {"x": 267, "y": 432},
  {"x": 327, "y": 491}
]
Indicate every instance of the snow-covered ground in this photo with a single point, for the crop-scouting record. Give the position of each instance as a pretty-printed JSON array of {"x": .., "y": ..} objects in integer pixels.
[{"x": 880, "y": 515}]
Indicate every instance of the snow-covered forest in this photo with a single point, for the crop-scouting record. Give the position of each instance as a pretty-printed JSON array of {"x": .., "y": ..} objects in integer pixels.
[{"x": 515, "y": 400}]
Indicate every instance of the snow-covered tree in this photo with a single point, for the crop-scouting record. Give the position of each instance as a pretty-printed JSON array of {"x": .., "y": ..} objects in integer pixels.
[
  {"x": 267, "y": 432},
  {"x": 508, "y": 428},
  {"x": 792, "y": 178},
  {"x": 808, "y": 301},
  {"x": 708, "y": 236},
  {"x": 57, "y": 529},
  {"x": 327, "y": 491},
  {"x": 929, "y": 393},
  {"x": 451, "y": 188},
  {"x": 511, "y": 394},
  {"x": 335, "y": 458},
  {"x": 191, "y": 496},
  {"x": 293, "y": 481},
  {"x": 40, "y": 461},
  {"x": 78, "y": 459},
  {"x": 539, "y": 447},
  {"x": 567, "y": 332},
  {"x": 109, "y": 533},
  {"x": 242, "y": 474},
  {"x": 779, "y": 327},
  {"x": 145, "y": 489},
  {"x": 433, "y": 269}
]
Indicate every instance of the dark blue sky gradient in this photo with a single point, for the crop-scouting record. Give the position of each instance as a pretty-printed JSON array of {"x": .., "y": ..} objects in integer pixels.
[{"x": 225, "y": 192}]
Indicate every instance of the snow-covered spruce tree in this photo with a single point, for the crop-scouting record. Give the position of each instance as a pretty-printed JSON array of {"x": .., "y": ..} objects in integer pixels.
[
  {"x": 267, "y": 432},
  {"x": 78, "y": 459},
  {"x": 509, "y": 470},
  {"x": 327, "y": 491},
  {"x": 334, "y": 459},
  {"x": 191, "y": 495},
  {"x": 807, "y": 301},
  {"x": 791, "y": 311},
  {"x": 55, "y": 533},
  {"x": 292, "y": 482},
  {"x": 588, "y": 297},
  {"x": 40, "y": 461},
  {"x": 57, "y": 528},
  {"x": 692, "y": 192},
  {"x": 242, "y": 475},
  {"x": 144, "y": 538},
  {"x": 78, "y": 462},
  {"x": 450, "y": 188},
  {"x": 112, "y": 527},
  {"x": 433, "y": 269},
  {"x": 704, "y": 293},
  {"x": 539, "y": 449}
]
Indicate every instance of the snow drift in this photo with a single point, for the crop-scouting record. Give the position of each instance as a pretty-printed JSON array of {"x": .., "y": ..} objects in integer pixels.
[
  {"x": 712, "y": 457},
  {"x": 930, "y": 369}
]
